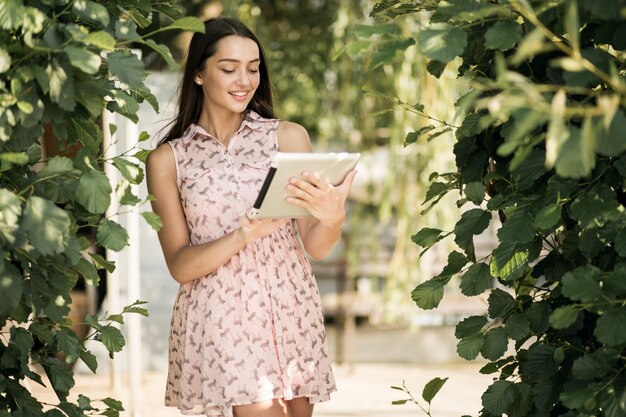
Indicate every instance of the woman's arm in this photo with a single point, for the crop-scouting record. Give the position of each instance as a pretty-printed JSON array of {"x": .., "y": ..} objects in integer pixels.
[
  {"x": 186, "y": 262},
  {"x": 325, "y": 201}
]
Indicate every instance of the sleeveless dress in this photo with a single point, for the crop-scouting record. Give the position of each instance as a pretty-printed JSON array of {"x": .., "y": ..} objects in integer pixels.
[{"x": 252, "y": 330}]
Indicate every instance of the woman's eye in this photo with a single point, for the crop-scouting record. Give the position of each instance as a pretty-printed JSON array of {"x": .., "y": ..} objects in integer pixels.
[
  {"x": 253, "y": 71},
  {"x": 228, "y": 71}
]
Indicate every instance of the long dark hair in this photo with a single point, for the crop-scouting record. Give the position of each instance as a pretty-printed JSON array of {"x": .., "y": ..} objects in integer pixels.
[{"x": 201, "y": 47}]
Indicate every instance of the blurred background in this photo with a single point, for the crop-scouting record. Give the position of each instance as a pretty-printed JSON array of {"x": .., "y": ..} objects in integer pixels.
[{"x": 347, "y": 87}]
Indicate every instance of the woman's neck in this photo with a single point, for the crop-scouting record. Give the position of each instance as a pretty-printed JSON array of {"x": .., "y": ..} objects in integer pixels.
[{"x": 220, "y": 124}]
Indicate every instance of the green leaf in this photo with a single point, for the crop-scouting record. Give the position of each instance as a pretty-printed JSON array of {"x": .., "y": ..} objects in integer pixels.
[
  {"x": 475, "y": 192},
  {"x": 499, "y": 397},
  {"x": 456, "y": 262},
  {"x": 564, "y": 317},
  {"x": 517, "y": 228},
  {"x": 164, "y": 51},
  {"x": 503, "y": 35},
  {"x": 412, "y": 137},
  {"x": 582, "y": 284},
  {"x": 353, "y": 49},
  {"x": 91, "y": 11},
  {"x": 61, "y": 79},
  {"x": 5, "y": 61},
  {"x": 501, "y": 303},
  {"x": 365, "y": 31},
  {"x": 21, "y": 340},
  {"x": 610, "y": 141},
  {"x": 61, "y": 377},
  {"x": 45, "y": 225},
  {"x": 189, "y": 23},
  {"x": 83, "y": 59},
  {"x": 126, "y": 196},
  {"x": 610, "y": 328},
  {"x": 129, "y": 170},
  {"x": 469, "y": 347},
  {"x": 576, "y": 156},
  {"x": 472, "y": 222},
  {"x": 517, "y": 326},
  {"x": 111, "y": 337},
  {"x": 90, "y": 360},
  {"x": 94, "y": 191},
  {"x": 509, "y": 260},
  {"x": 538, "y": 315},
  {"x": 11, "y": 14},
  {"x": 102, "y": 263},
  {"x": 432, "y": 388},
  {"x": 548, "y": 217},
  {"x": 126, "y": 29},
  {"x": 427, "y": 237},
  {"x": 469, "y": 326},
  {"x": 386, "y": 53},
  {"x": 442, "y": 42},
  {"x": 428, "y": 294},
  {"x": 11, "y": 283},
  {"x": 100, "y": 39},
  {"x": 124, "y": 65},
  {"x": 152, "y": 219},
  {"x": 113, "y": 404},
  {"x": 10, "y": 212},
  {"x": 111, "y": 235},
  {"x": 594, "y": 365},
  {"x": 142, "y": 155},
  {"x": 539, "y": 364},
  {"x": 576, "y": 399},
  {"x": 496, "y": 343},
  {"x": 476, "y": 280},
  {"x": 87, "y": 271},
  {"x": 135, "y": 309},
  {"x": 68, "y": 342}
]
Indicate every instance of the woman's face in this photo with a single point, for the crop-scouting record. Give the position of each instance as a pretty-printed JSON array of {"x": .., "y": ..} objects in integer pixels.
[{"x": 231, "y": 75}]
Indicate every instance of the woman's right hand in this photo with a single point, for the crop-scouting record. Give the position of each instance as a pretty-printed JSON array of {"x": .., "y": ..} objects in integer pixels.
[{"x": 253, "y": 229}]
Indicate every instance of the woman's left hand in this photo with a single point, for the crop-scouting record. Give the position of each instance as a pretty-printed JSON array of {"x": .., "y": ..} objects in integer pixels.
[{"x": 323, "y": 200}]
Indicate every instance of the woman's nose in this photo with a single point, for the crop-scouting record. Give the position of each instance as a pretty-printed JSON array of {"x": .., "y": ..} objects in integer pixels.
[{"x": 244, "y": 78}]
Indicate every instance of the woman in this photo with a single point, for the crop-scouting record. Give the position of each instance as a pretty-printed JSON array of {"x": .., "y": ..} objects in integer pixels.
[{"x": 247, "y": 336}]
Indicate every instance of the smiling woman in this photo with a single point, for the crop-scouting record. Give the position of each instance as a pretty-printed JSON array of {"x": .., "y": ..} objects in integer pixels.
[{"x": 247, "y": 335}]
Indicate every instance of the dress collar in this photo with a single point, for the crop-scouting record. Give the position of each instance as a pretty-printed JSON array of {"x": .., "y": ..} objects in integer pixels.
[{"x": 251, "y": 120}]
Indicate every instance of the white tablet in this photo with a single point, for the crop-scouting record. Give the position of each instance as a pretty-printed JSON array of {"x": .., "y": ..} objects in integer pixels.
[{"x": 333, "y": 167}]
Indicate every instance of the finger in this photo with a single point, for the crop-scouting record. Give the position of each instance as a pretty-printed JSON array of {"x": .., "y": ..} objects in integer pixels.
[
  {"x": 347, "y": 182},
  {"x": 302, "y": 189},
  {"x": 316, "y": 180}
]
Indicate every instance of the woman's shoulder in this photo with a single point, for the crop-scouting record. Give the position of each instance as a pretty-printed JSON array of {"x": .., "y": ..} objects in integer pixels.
[
  {"x": 293, "y": 137},
  {"x": 161, "y": 156}
]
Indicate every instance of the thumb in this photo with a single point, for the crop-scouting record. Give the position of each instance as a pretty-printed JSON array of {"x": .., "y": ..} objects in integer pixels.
[{"x": 347, "y": 182}]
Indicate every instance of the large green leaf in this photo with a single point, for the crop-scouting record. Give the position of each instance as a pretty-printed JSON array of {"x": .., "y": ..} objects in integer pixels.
[
  {"x": 456, "y": 262},
  {"x": 61, "y": 377},
  {"x": 509, "y": 260},
  {"x": 100, "y": 39},
  {"x": 45, "y": 225},
  {"x": 594, "y": 365},
  {"x": 472, "y": 222},
  {"x": 10, "y": 211},
  {"x": 610, "y": 142},
  {"x": 164, "y": 51},
  {"x": 432, "y": 388},
  {"x": 91, "y": 11},
  {"x": 469, "y": 347},
  {"x": 501, "y": 303},
  {"x": 70, "y": 344},
  {"x": 548, "y": 217},
  {"x": 11, "y": 14},
  {"x": 111, "y": 235},
  {"x": 94, "y": 191},
  {"x": 610, "y": 328},
  {"x": 499, "y": 397},
  {"x": 517, "y": 228},
  {"x": 475, "y": 192},
  {"x": 469, "y": 326},
  {"x": 582, "y": 284},
  {"x": 127, "y": 67},
  {"x": 428, "y": 294},
  {"x": 563, "y": 317},
  {"x": 576, "y": 399},
  {"x": 442, "y": 42},
  {"x": 61, "y": 79},
  {"x": 517, "y": 326},
  {"x": 539, "y": 364},
  {"x": 83, "y": 59},
  {"x": 496, "y": 343},
  {"x": 11, "y": 283},
  {"x": 129, "y": 170},
  {"x": 476, "y": 279},
  {"x": 427, "y": 237},
  {"x": 592, "y": 209},
  {"x": 576, "y": 156},
  {"x": 503, "y": 35},
  {"x": 189, "y": 23},
  {"x": 153, "y": 220},
  {"x": 111, "y": 337}
]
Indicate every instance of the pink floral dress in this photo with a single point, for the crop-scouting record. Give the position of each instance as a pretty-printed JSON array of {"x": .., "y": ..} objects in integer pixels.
[{"x": 252, "y": 330}]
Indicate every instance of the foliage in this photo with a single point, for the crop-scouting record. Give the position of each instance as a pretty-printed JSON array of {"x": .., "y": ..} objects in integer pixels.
[
  {"x": 428, "y": 393},
  {"x": 540, "y": 155},
  {"x": 62, "y": 62}
]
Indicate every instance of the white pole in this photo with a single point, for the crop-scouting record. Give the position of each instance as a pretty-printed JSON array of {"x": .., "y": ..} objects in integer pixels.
[
  {"x": 133, "y": 291},
  {"x": 113, "y": 283}
]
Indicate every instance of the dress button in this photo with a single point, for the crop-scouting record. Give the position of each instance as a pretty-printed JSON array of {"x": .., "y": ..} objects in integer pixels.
[{"x": 238, "y": 196}]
